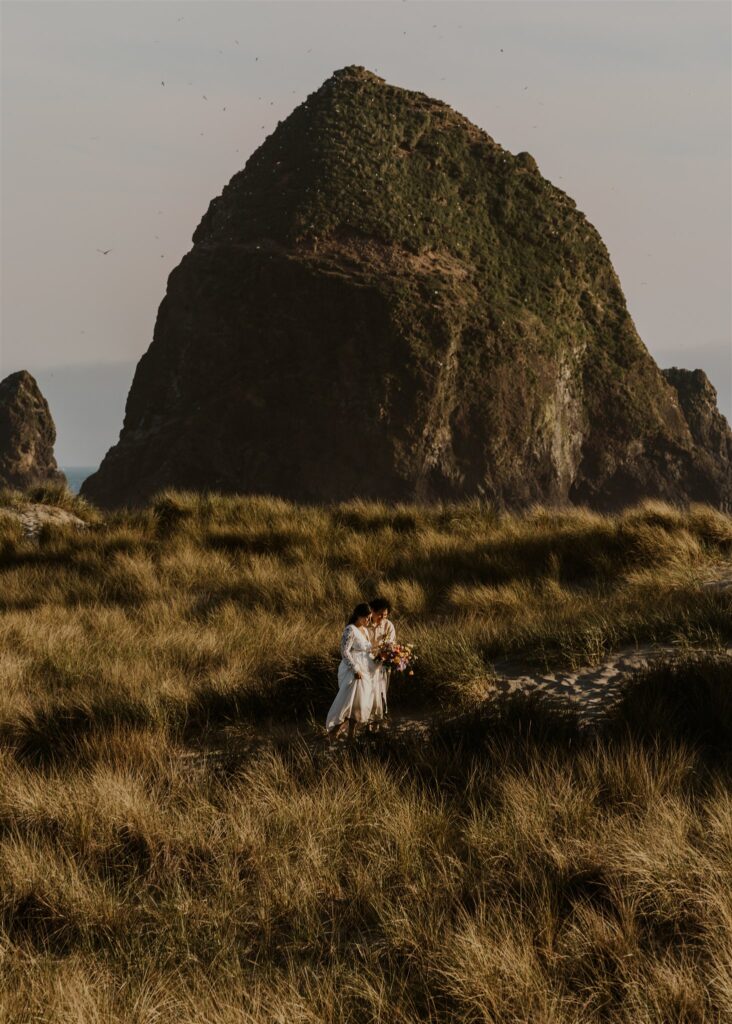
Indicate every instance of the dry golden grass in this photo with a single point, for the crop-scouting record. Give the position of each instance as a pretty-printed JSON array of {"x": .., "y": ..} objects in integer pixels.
[{"x": 511, "y": 867}]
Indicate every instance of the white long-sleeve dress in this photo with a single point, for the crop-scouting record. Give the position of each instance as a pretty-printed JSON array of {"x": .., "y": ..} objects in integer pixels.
[{"x": 359, "y": 699}]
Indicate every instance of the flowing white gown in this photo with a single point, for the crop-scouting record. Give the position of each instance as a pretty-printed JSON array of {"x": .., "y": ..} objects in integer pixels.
[{"x": 359, "y": 699}]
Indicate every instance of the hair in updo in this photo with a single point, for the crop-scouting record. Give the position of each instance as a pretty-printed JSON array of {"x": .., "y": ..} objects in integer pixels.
[{"x": 361, "y": 611}]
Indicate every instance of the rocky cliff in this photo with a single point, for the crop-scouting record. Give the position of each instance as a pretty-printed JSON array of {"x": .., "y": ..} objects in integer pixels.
[
  {"x": 386, "y": 303},
  {"x": 27, "y": 434}
]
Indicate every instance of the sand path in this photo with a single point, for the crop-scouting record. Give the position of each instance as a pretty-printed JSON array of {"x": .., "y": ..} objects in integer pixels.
[{"x": 593, "y": 687}]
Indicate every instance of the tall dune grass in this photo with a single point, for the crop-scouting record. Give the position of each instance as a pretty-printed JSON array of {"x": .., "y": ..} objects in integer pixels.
[
  {"x": 179, "y": 844},
  {"x": 198, "y": 589},
  {"x": 489, "y": 873}
]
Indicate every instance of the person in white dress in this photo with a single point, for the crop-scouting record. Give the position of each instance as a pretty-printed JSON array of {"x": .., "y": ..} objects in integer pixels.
[
  {"x": 380, "y": 629},
  {"x": 359, "y": 694}
]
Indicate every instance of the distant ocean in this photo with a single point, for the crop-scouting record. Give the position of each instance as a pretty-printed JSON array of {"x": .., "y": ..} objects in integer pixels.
[{"x": 76, "y": 475}]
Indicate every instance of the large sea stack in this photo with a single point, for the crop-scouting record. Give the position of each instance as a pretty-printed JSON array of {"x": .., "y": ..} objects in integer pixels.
[
  {"x": 27, "y": 435},
  {"x": 386, "y": 303}
]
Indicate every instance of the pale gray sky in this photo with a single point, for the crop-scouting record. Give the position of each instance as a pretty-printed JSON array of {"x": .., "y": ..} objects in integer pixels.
[{"x": 628, "y": 109}]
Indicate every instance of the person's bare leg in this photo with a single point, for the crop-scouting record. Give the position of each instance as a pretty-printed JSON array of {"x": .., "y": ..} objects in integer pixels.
[{"x": 351, "y": 728}]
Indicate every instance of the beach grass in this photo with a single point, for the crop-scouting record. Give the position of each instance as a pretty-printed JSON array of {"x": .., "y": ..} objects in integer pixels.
[{"x": 179, "y": 843}]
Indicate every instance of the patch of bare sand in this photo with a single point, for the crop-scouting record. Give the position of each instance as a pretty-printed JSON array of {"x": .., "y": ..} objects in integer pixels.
[
  {"x": 33, "y": 517},
  {"x": 594, "y": 688}
]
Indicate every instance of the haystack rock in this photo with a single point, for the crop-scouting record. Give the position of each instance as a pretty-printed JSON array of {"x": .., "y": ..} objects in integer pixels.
[
  {"x": 386, "y": 303},
  {"x": 27, "y": 435}
]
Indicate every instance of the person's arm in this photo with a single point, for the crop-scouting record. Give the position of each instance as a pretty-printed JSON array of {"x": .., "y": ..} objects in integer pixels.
[
  {"x": 347, "y": 639},
  {"x": 390, "y": 634}
]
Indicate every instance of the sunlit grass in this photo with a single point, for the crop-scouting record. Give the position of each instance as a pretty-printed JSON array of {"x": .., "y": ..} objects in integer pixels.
[{"x": 511, "y": 866}]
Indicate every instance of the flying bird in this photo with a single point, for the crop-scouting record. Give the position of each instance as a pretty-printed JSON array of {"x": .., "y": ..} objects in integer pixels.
[
  {"x": 104, "y": 251},
  {"x": 205, "y": 97},
  {"x": 162, "y": 83}
]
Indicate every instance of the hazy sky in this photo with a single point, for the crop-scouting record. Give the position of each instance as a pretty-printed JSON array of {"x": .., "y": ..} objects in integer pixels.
[{"x": 625, "y": 105}]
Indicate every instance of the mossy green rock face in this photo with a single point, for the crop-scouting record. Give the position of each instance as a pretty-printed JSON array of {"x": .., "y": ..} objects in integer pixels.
[{"x": 385, "y": 303}]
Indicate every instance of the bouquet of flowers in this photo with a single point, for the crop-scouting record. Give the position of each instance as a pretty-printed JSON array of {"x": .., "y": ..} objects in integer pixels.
[{"x": 400, "y": 657}]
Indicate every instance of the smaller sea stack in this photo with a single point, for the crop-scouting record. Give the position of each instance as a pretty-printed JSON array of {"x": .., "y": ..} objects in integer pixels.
[{"x": 27, "y": 434}]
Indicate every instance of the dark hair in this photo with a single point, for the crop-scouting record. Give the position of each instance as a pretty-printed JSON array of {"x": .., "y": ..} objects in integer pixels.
[
  {"x": 378, "y": 604},
  {"x": 359, "y": 612}
]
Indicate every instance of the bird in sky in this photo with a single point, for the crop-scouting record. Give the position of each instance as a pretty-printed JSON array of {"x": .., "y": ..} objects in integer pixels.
[
  {"x": 162, "y": 83},
  {"x": 205, "y": 97},
  {"x": 104, "y": 251}
]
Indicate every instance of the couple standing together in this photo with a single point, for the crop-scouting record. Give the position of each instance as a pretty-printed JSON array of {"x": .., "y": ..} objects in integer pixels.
[{"x": 363, "y": 681}]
